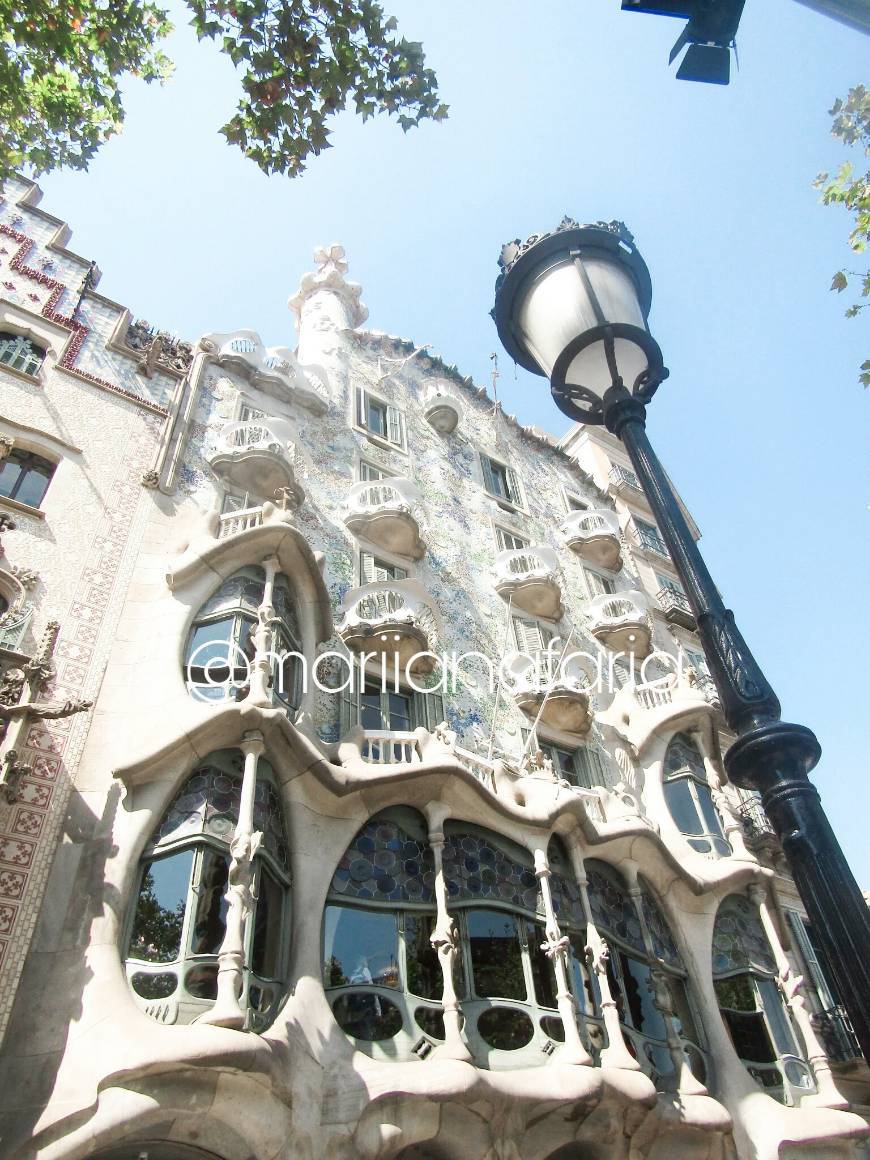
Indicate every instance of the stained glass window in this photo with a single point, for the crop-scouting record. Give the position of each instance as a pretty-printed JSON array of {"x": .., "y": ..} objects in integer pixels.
[
  {"x": 476, "y": 869},
  {"x": 385, "y": 863},
  {"x": 179, "y": 919},
  {"x": 662, "y": 939},
  {"x": 739, "y": 940},
  {"x": 21, "y": 353},
  {"x": 613, "y": 911},
  {"x": 689, "y": 797}
]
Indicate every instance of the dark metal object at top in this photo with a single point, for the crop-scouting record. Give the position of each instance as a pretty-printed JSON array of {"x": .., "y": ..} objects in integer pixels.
[{"x": 710, "y": 34}]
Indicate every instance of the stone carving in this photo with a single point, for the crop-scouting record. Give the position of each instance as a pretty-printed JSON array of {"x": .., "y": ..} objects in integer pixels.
[
  {"x": 332, "y": 267},
  {"x": 151, "y": 479},
  {"x": 11, "y": 773},
  {"x": 6, "y": 445},
  {"x": 160, "y": 350},
  {"x": 7, "y": 524},
  {"x": 11, "y": 687},
  {"x": 27, "y": 577}
]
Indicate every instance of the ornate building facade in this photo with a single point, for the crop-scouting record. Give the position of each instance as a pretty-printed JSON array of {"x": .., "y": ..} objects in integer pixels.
[{"x": 362, "y": 791}]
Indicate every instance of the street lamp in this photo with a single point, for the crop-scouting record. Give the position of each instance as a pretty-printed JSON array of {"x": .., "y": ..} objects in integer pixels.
[{"x": 573, "y": 305}]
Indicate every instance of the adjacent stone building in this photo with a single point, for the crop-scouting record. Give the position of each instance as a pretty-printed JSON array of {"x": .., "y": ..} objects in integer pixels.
[{"x": 362, "y": 791}]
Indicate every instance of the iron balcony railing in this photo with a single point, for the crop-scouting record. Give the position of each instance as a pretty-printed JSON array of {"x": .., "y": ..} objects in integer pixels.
[
  {"x": 837, "y": 1035},
  {"x": 756, "y": 824},
  {"x": 650, "y": 538},
  {"x": 624, "y": 477},
  {"x": 671, "y": 600}
]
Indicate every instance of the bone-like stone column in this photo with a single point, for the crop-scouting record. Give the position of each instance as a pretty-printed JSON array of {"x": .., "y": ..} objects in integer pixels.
[
  {"x": 616, "y": 1054},
  {"x": 445, "y": 940},
  {"x": 240, "y": 901},
  {"x": 556, "y": 948},
  {"x": 791, "y": 987},
  {"x": 264, "y": 639}
]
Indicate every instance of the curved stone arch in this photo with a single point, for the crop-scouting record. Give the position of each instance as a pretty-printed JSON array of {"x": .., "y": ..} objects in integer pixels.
[{"x": 12, "y": 590}]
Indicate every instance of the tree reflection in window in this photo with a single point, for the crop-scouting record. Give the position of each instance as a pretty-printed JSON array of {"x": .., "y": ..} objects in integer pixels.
[{"x": 179, "y": 919}]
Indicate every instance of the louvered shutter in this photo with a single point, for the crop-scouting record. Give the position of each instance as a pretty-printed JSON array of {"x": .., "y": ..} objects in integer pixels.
[
  {"x": 367, "y": 569},
  {"x": 531, "y": 637},
  {"x": 592, "y": 771},
  {"x": 488, "y": 481},
  {"x": 361, "y": 407},
  {"x": 395, "y": 426},
  {"x": 809, "y": 956},
  {"x": 515, "y": 495}
]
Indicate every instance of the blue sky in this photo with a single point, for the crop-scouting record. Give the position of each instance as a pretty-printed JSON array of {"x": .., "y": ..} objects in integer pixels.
[{"x": 556, "y": 108}]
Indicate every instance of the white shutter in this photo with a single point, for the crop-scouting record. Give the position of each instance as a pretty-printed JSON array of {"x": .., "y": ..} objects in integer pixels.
[
  {"x": 531, "y": 636},
  {"x": 395, "y": 426},
  {"x": 361, "y": 407},
  {"x": 515, "y": 495},
  {"x": 350, "y": 702},
  {"x": 488, "y": 481},
  {"x": 371, "y": 569},
  {"x": 367, "y": 572},
  {"x": 809, "y": 956}
]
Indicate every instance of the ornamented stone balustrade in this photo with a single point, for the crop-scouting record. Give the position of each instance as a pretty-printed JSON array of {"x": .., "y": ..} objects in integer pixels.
[
  {"x": 394, "y": 619},
  {"x": 383, "y": 512},
  {"x": 529, "y": 577},
  {"x": 275, "y": 370},
  {"x": 240, "y": 521},
  {"x": 258, "y": 456},
  {"x": 620, "y": 622},
  {"x": 441, "y": 407},
  {"x": 594, "y": 536},
  {"x": 391, "y": 747},
  {"x": 556, "y": 694}
]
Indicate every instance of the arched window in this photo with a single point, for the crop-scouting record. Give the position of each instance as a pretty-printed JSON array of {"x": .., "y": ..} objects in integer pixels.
[
  {"x": 641, "y": 941},
  {"x": 688, "y": 797},
  {"x": 381, "y": 974},
  {"x": 220, "y": 648},
  {"x": 744, "y": 976},
  {"x": 20, "y": 353},
  {"x": 25, "y": 476},
  {"x": 178, "y": 923}
]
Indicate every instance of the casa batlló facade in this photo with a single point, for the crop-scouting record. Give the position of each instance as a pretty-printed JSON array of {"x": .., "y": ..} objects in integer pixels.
[{"x": 325, "y": 830}]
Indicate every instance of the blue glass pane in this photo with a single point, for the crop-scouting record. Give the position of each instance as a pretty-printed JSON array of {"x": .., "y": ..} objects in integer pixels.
[
  {"x": 739, "y": 940},
  {"x": 386, "y": 864},
  {"x": 156, "y": 936},
  {"x": 475, "y": 869},
  {"x": 613, "y": 911},
  {"x": 567, "y": 903},
  {"x": 360, "y": 947},
  {"x": 663, "y": 941}
]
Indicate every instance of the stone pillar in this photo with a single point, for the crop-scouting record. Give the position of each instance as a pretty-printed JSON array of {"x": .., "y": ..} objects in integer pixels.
[
  {"x": 264, "y": 640},
  {"x": 556, "y": 948},
  {"x": 445, "y": 940},
  {"x": 791, "y": 988},
  {"x": 240, "y": 901}
]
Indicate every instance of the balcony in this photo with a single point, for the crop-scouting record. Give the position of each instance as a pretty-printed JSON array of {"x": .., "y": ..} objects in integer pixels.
[
  {"x": 623, "y": 481},
  {"x": 394, "y": 619},
  {"x": 258, "y": 456},
  {"x": 594, "y": 536},
  {"x": 441, "y": 408},
  {"x": 239, "y": 521},
  {"x": 757, "y": 829},
  {"x": 557, "y": 695},
  {"x": 675, "y": 605},
  {"x": 650, "y": 541},
  {"x": 837, "y": 1035},
  {"x": 620, "y": 622},
  {"x": 382, "y": 512},
  {"x": 529, "y": 578}
]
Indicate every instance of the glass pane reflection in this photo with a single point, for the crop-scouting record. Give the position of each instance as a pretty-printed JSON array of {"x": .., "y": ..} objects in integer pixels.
[
  {"x": 496, "y": 955},
  {"x": 160, "y": 910},
  {"x": 360, "y": 946}
]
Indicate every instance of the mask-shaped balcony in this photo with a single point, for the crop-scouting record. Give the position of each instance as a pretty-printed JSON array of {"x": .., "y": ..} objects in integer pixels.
[
  {"x": 594, "y": 536},
  {"x": 258, "y": 456},
  {"x": 382, "y": 512},
  {"x": 441, "y": 408},
  {"x": 391, "y": 618},
  {"x": 560, "y": 693},
  {"x": 529, "y": 577},
  {"x": 620, "y": 622}
]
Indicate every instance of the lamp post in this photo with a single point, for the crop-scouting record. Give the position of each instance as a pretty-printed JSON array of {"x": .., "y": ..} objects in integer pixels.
[{"x": 572, "y": 305}]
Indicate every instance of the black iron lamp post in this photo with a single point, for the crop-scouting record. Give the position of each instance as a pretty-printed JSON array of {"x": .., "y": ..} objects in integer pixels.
[{"x": 573, "y": 305}]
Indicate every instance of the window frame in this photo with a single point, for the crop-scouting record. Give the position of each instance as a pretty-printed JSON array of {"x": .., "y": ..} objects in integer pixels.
[
  {"x": 716, "y": 841},
  {"x": 367, "y": 573},
  {"x": 514, "y": 500},
  {"x": 500, "y": 531},
  {"x": 595, "y": 577},
  {"x": 395, "y": 433},
  {"x": 27, "y": 453},
  {"x": 8, "y": 339}
]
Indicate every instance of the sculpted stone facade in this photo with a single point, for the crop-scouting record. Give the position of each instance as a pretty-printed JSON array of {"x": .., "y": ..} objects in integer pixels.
[{"x": 271, "y": 886}]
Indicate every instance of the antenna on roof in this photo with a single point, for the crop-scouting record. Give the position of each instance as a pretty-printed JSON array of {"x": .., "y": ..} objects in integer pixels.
[{"x": 494, "y": 360}]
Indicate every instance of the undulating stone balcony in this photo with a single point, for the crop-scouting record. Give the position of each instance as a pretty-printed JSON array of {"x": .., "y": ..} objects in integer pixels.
[
  {"x": 441, "y": 407},
  {"x": 621, "y": 623},
  {"x": 383, "y": 512},
  {"x": 594, "y": 536},
  {"x": 556, "y": 694},
  {"x": 529, "y": 577},
  {"x": 675, "y": 605},
  {"x": 258, "y": 456},
  {"x": 391, "y": 618}
]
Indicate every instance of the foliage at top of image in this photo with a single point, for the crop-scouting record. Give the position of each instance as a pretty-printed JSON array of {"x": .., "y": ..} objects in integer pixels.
[
  {"x": 61, "y": 65},
  {"x": 851, "y": 125}
]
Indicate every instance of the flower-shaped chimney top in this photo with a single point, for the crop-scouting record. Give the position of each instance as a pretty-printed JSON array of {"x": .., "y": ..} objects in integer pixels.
[{"x": 329, "y": 278}]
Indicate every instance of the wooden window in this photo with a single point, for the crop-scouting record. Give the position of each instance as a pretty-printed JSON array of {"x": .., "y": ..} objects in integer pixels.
[
  {"x": 501, "y": 481},
  {"x": 380, "y": 418}
]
